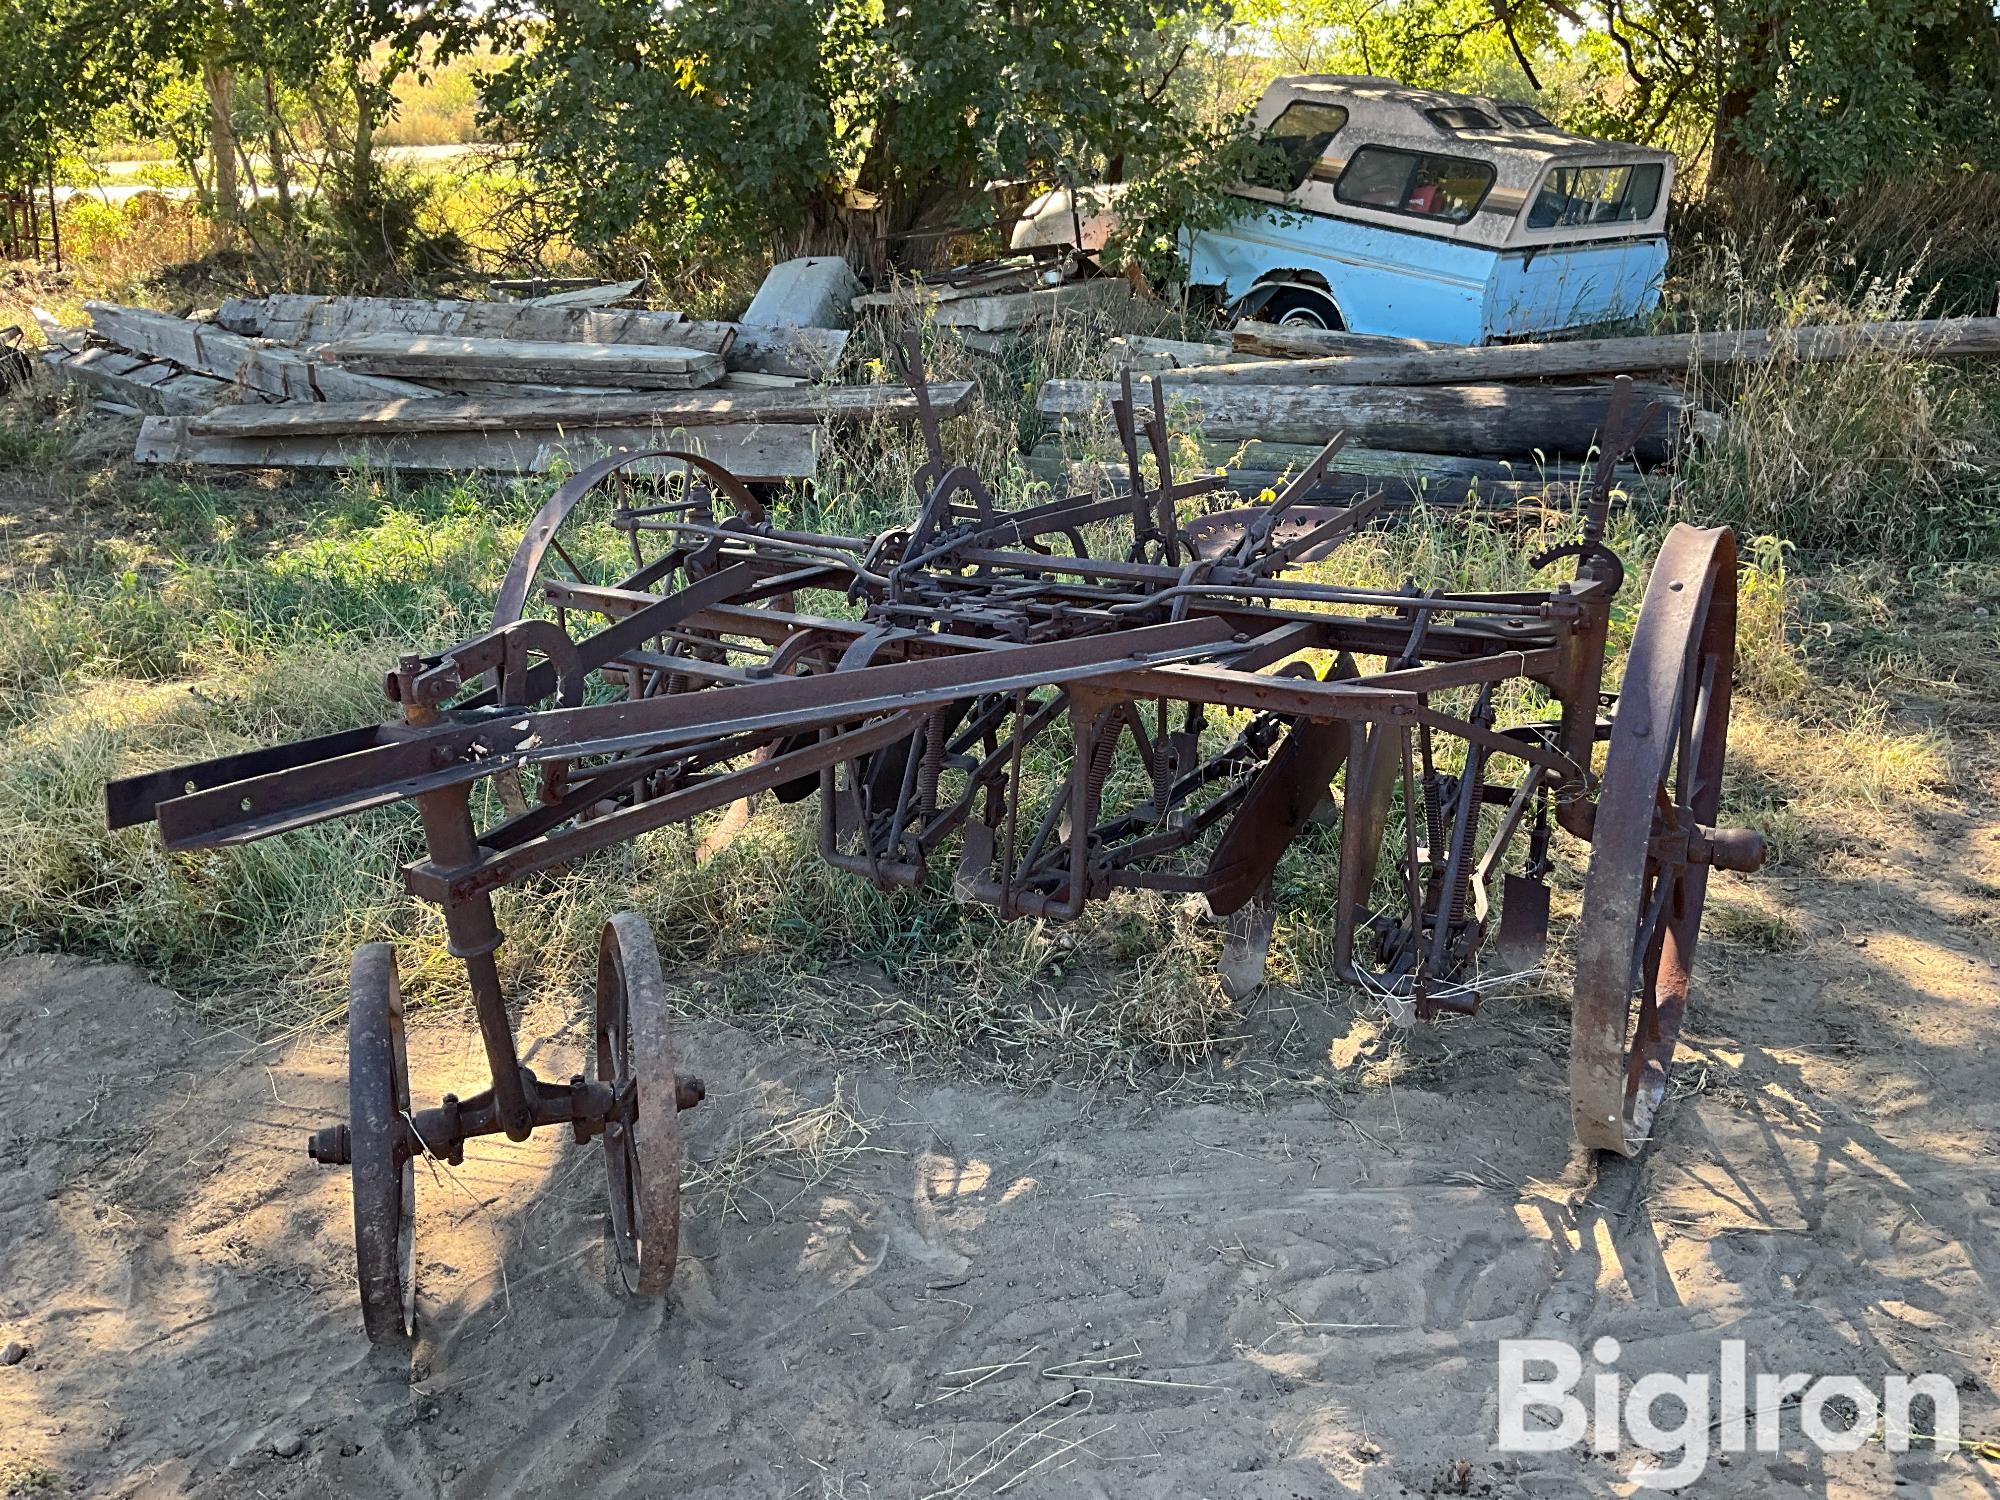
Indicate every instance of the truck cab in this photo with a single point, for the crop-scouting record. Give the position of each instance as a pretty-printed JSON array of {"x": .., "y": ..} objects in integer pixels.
[{"x": 1429, "y": 215}]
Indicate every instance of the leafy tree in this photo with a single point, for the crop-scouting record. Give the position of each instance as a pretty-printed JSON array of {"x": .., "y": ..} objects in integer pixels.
[
  {"x": 50, "y": 88},
  {"x": 718, "y": 123}
]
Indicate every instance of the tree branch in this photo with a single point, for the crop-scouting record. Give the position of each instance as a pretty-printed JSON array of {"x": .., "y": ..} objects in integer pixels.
[{"x": 1505, "y": 12}]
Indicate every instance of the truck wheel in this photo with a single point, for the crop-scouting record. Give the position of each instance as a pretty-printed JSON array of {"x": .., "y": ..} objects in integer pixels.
[{"x": 1298, "y": 307}]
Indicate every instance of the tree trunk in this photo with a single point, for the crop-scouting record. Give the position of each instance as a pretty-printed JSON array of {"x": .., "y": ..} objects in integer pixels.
[
  {"x": 220, "y": 83},
  {"x": 275, "y": 144},
  {"x": 361, "y": 162},
  {"x": 1743, "y": 77},
  {"x": 1559, "y": 422}
]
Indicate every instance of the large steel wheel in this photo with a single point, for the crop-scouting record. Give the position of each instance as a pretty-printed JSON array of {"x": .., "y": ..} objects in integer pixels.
[
  {"x": 378, "y": 1097},
  {"x": 599, "y": 532},
  {"x": 1653, "y": 842},
  {"x": 642, "y": 1138},
  {"x": 595, "y": 531}
]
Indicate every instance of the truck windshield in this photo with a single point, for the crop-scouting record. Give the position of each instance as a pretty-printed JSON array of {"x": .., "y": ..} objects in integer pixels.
[
  {"x": 1301, "y": 135},
  {"x": 1579, "y": 197}
]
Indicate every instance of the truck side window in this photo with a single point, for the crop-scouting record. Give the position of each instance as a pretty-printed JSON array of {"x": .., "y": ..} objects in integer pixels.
[
  {"x": 1301, "y": 134},
  {"x": 1524, "y": 115},
  {"x": 1456, "y": 117},
  {"x": 1581, "y": 197},
  {"x": 1428, "y": 186}
]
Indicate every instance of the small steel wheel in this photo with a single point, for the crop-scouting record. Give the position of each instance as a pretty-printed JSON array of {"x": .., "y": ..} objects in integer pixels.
[
  {"x": 642, "y": 1137},
  {"x": 1653, "y": 843},
  {"x": 378, "y": 1101}
]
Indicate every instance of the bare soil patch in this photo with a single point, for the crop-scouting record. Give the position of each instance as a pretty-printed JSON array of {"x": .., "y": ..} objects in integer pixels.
[{"x": 900, "y": 1288}]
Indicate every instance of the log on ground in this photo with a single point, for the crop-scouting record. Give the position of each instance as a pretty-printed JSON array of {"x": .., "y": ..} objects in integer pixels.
[
  {"x": 1556, "y": 422},
  {"x": 1937, "y": 338},
  {"x": 1289, "y": 341}
]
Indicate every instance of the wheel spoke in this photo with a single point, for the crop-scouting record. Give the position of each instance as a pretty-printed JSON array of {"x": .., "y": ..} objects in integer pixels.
[
  {"x": 555, "y": 545},
  {"x": 1664, "y": 886},
  {"x": 1694, "y": 726}
]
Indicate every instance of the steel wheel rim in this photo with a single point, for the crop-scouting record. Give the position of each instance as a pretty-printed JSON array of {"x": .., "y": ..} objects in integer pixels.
[
  {"x": 1641, "y": 917},
  {"x": 383, "y": 1171},
  {"x": 642, "y": 1157}
]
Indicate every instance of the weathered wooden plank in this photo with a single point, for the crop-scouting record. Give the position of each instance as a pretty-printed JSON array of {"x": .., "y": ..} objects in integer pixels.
[
  {"x": 587, "y": 325},
  {"x": 806, "y": 353},
  {"x": 711, "y": 408},
  {"x": 756, "y": 453},
  {"x": 1294, "y": 342},
  {"x": 1000, "y": 283},
  {"x": 602, "y": 295},
  {"x": 812, "y": 353},
  {"x": 131, "y": 380},
  {"x": 1554, "y": 421},
  {"x": 208, "y": 350},
  {"x": 449, "y": 357},
  {"x": 1140, "y": 353},
  {"x": 321, "y": 320},
  {"x": 57, "y": 336},
  {"x": 757, "y": 380},
  {"x": 991, "y": 314},
  {"x": 1939, "y": 338}
]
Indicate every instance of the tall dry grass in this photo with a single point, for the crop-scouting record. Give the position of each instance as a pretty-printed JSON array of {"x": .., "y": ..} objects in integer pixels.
[{"x": 1896, "y": 455}]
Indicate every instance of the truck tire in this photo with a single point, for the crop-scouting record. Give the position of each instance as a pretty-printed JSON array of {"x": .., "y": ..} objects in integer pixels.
[{"x": 1300, "y": 307}]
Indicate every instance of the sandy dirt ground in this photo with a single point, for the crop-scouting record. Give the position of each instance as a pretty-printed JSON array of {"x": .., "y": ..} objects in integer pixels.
[{"x": 894, "y": 1287}]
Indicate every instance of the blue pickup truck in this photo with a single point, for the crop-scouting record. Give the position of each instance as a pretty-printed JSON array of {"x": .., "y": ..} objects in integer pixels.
[{"x": 1418, "y": 214}]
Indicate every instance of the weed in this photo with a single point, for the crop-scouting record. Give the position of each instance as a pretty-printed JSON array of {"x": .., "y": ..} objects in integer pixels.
[{"x": 1742, "y": 924}]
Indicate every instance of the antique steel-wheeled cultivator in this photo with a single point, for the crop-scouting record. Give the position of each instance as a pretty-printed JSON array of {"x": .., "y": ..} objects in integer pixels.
[{"x": 662, "y": 649}]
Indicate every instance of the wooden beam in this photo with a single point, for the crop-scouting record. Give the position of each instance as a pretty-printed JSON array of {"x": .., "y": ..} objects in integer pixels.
[
  {"x": 591, "y": 296},
  {"x": 207, "y": 350},
  {"x": 132, "y": 380},
  {"x": 759, "y": 454},
  {"x": 445, "y": 358},
  {"x": 1555, "y": 422},
  {"x": 1938, "y": 338},
  {"x": 665, "y": 409},
  {"x": 293, "y": 319},
  {"x": 811, "y": 353},
  {"x": 991, "y": 314},
  {"x": 1139, "y": 353}
]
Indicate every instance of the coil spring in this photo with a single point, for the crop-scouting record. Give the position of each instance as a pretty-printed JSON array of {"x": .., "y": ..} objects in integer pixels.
[
  {"x": 1103, "y": 751},
  {"x": 933, "y": 763}
]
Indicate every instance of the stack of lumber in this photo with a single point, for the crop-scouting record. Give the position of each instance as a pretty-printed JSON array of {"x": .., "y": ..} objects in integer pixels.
[
  {"x": 1540, "y": 405},
  {"x": 416, "y": 383}
]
